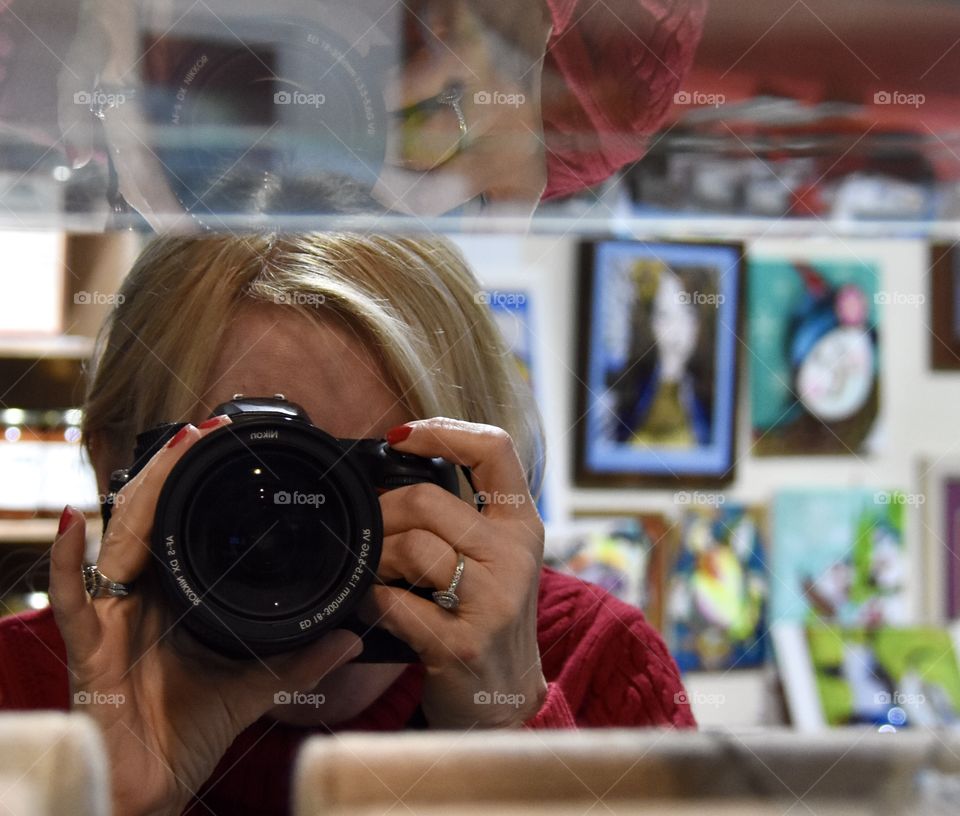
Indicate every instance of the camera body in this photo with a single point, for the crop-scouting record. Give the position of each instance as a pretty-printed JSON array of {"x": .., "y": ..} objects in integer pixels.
[{"x": 268, "y": 531}]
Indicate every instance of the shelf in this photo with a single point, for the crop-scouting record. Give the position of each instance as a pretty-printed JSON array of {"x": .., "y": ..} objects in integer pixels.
[
  {"x": 63, "y": 346},
  {"x": 39, "y": 531}
]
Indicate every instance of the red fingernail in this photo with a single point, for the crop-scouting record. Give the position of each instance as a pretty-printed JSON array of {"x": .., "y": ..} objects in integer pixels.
[
  {"x": 213, "y": 422},
  {"x": 178, "y": 436},
  {"x": 65, "y": 518},
  {"x": 398, "y": 434}
]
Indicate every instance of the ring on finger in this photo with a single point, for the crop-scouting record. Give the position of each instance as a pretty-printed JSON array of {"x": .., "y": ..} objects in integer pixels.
[
  {"x": 99, "y": 585},
  {"x": 448, "y": 598}
]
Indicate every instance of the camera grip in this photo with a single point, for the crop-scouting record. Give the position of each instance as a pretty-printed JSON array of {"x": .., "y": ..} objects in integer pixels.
[{"x": 379, "y": 646}]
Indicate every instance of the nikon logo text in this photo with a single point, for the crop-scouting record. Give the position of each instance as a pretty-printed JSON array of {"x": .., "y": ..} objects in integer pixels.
[{"x": 264, "y": 435}]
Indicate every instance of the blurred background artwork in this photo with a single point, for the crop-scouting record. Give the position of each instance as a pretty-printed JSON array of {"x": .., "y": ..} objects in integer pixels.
[
  {"x": 839, "y": 557},
  {"x": 659, "y": 359},
  {"x": 888, "y": 677},
  {"x": 718, "y": 588},
  {"x": 814, "y": 362},
  {"x": 626, "y": 555}
]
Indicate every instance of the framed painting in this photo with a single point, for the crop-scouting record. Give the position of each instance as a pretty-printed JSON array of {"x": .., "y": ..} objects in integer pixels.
[
  {"x": 659, "y": 342},
  {"x": 626, "y": 554},
  {"x": 941, "y": 525},
  {"x": 815, "y": 356},
  {"x": 944, "y": 307}
]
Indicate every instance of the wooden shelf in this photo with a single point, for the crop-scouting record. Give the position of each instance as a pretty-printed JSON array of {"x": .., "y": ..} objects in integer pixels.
[
  {"x": 63, "y": 346},
  {"x": 39, "y": 531}
]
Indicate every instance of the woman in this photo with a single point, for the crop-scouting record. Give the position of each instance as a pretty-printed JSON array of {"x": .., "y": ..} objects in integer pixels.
[{"x": 374, "y": 337}]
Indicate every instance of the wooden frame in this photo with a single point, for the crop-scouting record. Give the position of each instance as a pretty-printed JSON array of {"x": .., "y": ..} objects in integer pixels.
[{"x": 944, "y": 311}]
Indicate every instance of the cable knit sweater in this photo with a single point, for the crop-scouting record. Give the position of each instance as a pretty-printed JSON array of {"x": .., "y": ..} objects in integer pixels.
[{"x": 604, "y": 665}]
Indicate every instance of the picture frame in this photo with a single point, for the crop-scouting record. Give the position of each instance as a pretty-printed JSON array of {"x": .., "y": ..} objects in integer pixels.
[
  {"x": 627, "y": 553},
  {"x": 944, "y": 307},
  {"x": 814, "y": 327},
  {"x": 940, "y": 481},
  {"x": 660, "y": 327}
]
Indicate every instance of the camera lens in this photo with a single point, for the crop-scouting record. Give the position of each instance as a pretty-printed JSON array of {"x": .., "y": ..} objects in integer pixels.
[
  {"x": 267, "y": 534},
  {"x": 290, "y": 121}
]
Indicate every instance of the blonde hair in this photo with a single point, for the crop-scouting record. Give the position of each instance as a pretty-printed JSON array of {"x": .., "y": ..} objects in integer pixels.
[{"x": 413, "y": 300}]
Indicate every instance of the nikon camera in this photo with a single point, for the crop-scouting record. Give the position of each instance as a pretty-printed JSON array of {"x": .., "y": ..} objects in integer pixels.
[{"x": 268, "y": 531}]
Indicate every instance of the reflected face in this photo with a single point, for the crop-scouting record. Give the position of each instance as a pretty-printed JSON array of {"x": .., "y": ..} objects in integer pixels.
[{"x": 675, "y": 325}]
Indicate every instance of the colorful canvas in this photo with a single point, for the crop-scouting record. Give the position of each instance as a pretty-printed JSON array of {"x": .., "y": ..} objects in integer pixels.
[
  {"x": 620, "y": 554},
  {"x": 815, "y": 357},
  {"x": 839, "y": 557},
  {"x": 888, "y": 677},
  {"x": 717, "y": 592}
]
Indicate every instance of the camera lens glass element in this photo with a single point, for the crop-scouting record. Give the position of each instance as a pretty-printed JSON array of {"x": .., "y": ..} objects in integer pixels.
[
  {"x": 289, "y": 121},
  {"x": 267, "y": 533}
]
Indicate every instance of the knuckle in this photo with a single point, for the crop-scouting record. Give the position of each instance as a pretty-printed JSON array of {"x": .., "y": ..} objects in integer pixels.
[
  {"x": 469, "y": 650},
  {"x": 423, "y": 498}
]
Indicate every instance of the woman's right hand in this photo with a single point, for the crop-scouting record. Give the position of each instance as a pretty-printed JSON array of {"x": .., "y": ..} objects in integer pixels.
[{"x": 166, "y": 718}]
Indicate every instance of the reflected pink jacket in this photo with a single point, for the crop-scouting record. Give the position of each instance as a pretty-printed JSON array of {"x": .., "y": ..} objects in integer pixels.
[{"x": 609, "y": 77}]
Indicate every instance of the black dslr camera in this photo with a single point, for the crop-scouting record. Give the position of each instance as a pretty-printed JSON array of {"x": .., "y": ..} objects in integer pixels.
[{"x": 268, "y": 531}]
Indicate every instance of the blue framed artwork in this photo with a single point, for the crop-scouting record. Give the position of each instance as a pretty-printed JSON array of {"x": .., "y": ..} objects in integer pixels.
[
  {"x": 512, "y": 312},
  {"x": 656, "y": 402}
]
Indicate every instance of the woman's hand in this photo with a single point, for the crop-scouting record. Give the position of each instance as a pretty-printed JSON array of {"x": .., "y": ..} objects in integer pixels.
[
  {"x": 167, "y": 719},
  {"x": 432, "y": 167},
  {"x": 482, "y": 659}
]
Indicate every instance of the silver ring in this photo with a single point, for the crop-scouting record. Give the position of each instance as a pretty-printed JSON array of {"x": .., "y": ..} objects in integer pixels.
[
  {"x": 451, "y": 96},
  {"x": 448, "y": 598},
  {"x": 104, "y": 98},
  {"x": 99, "y": 586}
]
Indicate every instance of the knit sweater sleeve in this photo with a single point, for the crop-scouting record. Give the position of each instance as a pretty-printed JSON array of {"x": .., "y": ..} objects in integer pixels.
[
  {"x": 555, "y": 711},
  {"x": 606, "y": 665}
]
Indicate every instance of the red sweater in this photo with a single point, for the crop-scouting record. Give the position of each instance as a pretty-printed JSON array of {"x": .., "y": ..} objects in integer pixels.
[{"x": 604, "y": 665}]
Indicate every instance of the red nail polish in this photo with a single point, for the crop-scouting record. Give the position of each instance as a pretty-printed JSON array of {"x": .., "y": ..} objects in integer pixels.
[
  {"x": 396, "y": 435},
  {"x": 65, "y": 517},
  {"x": 212, "y": 422},
  {"x": 178, "y": 436}
]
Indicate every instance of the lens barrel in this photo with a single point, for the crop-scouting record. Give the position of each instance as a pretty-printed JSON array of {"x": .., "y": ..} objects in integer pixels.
[{"x": 268, "y": 533}]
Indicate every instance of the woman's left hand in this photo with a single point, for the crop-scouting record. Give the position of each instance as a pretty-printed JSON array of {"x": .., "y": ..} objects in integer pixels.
[{"x": 482, "y": 659}]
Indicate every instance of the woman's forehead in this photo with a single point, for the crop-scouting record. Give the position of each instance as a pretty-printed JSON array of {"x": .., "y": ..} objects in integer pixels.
[{"x": 319, "y": 363}]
